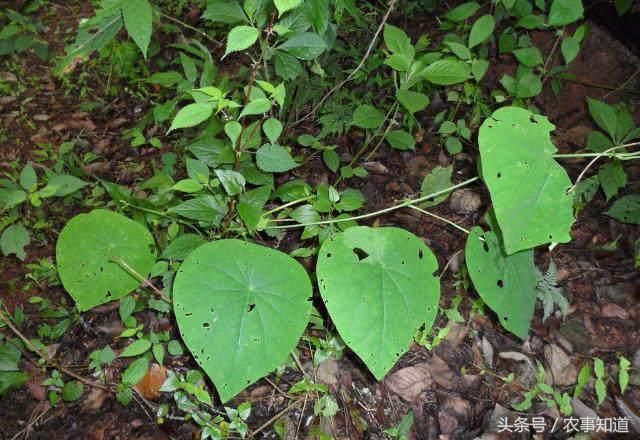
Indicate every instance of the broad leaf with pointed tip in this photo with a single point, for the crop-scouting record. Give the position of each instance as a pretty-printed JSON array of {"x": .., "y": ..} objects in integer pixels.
[
  {"x": 238, "y": 316},
  {"x": 379, "y": 285},
  {"x": 527, "y": 186},
  {"x": 85, "y": 251},
  {"x": 506, "y": 283}
]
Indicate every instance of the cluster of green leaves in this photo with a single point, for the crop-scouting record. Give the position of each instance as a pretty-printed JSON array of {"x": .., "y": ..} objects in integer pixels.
[
  {"x": 21, "y": 34},
  {"x": 18, "y": 189}
]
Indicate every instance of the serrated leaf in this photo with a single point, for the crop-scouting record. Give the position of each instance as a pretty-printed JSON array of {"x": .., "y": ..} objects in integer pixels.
[
  {"x": 138, "y": 20},
  {"x": 626, "y": 209},
  {"x": 84, "y": 255},
  {"x": 387, "y": 278},
  {"x": 205, "y": 208},
  {"x": 241, "y": 38},
  {"x": 412, "y": 101},
  {"x": 481, "y": 30},
  {"x": 272, "y": 129},
  {"x": 527, "y": 186},
  {"x": 274, "y": 159},
  {"x": 232, "y": 181},
  {"x": 256, "y": 107},
  {"x": 400, "y": 140},
  {"x": 446, "y": 72},
  {"x": 229, "y": 12},
  {"x": 368, "y": 117},
  {"x": 612, "y": 178},
  {"x": 240, "y": 318},
  {"x": 506, "y": 283},
  {"x": 192, "y": 115}
]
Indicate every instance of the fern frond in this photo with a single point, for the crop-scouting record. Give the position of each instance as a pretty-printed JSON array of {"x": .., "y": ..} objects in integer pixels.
[{"x": 549, "y": 293}]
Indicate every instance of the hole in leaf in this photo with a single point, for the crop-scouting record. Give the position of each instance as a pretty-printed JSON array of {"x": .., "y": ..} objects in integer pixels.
[
  {"x": 206, "y": 325},
  {"x": 485, "y": 246},
  {"x": 505, "y": 318},
  {"x": 435, "y": 273},
  {"x": 188, "y": 314},
  {"x": 500, "y": 284},
  {"x": 251, "y": 307},
  {"x": 420, "y": 254},
  {"x": 361, "y": 254},
  {"x": 329, "y": 255},
  {"x": 499, "y": 175}
]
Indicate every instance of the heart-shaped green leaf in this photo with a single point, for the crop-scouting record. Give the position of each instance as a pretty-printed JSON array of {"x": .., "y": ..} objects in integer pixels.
[
  {"x": 379, "y": 285},
  {"x": 506, "y": 283},
  {"x": 241, "y": 309},
  {"x": 85, "y": 251},
  {"x": 527, "y": 186}
]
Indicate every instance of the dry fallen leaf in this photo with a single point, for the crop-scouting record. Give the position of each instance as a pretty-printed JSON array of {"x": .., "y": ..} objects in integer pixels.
[
  {"x": 410, "y": 382},
  {"x": 149, "y": 385},
  {"x": 562, "y": 370}
]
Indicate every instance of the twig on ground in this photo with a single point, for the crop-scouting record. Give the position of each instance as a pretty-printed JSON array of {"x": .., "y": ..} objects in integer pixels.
[{"x": 7, "y": 320}]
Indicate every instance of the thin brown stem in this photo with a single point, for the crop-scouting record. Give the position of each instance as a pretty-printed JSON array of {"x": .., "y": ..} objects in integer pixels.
[
  {"x": 341, "y": 84},
  {"x": 145, "y": 282},
  {"x": 47, "y": 359},
  {"x": 269, "y": 422}
]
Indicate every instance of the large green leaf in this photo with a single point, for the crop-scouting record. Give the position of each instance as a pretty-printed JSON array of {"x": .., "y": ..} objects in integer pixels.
[
  {"x": 527, "y": 186},
  {"x": 84, "y": 254},
  {"x": 379, "y": 285},
  {"x": 506, "y": 283},
  {"x": 138, "y": 20},
  {"x": 192, "y": 115},
  {"x": 241, "y": 309}
]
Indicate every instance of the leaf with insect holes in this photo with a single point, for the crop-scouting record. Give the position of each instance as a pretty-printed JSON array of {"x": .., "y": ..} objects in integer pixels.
[
  {"x": 238, "y": 316},
  {"x": 84, "y": 253},
  {"x": 506, "y": 283},
  {"x": 527, "y": 186},
  {"x": 192, "y": 115},
  {"x": 241, "y": 38},
  {"x": 138, "y": 20},
  {"x": 274, "y": 158},
  {"x": 387, "y": 278}
]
